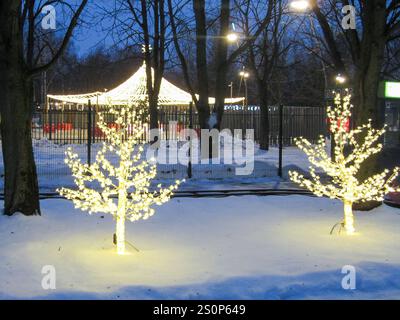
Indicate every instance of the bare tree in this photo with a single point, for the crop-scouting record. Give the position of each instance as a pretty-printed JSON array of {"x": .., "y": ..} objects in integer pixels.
[
  {"x": 200, "y": 101},
  {"x": 142, "y": 23},
  {"x": 360, "y": 54},
  {"x": 201, "y": 62},
  {"x": 266, "y": 55},
  {"x": 151, "y": 15},
  {"x": 19, "y": 63},
  {"x": 224, "y": 57}
]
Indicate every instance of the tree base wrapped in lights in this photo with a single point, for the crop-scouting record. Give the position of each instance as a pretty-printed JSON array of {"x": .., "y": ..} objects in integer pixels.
[
  {"x": 344, "y": 166},
  {"x": 123, "y": 190}
]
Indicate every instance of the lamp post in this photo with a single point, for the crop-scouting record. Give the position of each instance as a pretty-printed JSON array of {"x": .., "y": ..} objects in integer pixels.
[
  {"x": 97, "y": 97},
  {"x": 231, "y": 88},
  {"x": 244, "y": 75},
  {"x": 233, "y": 37}
]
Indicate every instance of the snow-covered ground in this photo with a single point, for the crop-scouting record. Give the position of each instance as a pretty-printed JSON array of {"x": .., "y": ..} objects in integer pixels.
[
  {"x": 225, "y": 248},
  {"x": 54, "y": 173}
]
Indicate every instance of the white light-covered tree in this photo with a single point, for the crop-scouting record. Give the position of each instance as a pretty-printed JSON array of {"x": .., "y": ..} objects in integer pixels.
[
  {"x": 121, "y": 189},
  {"x": 349, "y": 154}
]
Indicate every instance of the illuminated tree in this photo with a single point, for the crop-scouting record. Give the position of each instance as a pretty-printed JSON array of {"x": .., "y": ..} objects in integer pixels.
[
  {"x": 122, "y": 190},
  {"x": 349, "y": 154}
]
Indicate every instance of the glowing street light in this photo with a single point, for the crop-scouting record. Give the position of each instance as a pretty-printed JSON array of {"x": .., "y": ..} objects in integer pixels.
[
  {"x": 300, "y": 5},
  {"x": 232, "y": 37},
  {"x": 340, "y": 79},
  {"x": 244, "y": 74}
]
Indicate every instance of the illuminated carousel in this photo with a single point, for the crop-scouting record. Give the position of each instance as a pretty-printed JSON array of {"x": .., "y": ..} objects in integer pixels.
[{"x": 133, "y": 90}]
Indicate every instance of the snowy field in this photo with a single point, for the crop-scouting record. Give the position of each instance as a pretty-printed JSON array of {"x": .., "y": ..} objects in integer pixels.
[{"x": 216, "y": 248}]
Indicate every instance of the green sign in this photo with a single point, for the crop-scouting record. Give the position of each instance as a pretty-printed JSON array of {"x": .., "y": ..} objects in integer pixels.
[{"x": 392, "y": 90}]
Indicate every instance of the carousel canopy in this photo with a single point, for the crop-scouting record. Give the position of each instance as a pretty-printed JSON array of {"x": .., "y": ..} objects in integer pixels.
[{"x": 135, "y": 90}]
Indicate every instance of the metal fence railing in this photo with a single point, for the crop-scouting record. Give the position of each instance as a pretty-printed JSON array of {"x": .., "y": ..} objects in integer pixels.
[
  {"x": 308, "y": 122},
  {"x": 75, "y": 127},
  {"x": 54, "y": 130}
]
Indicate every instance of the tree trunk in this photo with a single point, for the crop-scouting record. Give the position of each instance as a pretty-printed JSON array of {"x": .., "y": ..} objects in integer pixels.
[
  {"x": 20, "y": 178},
  {"x": 202, "y": 105},
  {"x": 220, "y": 92},
  {"x": 367, "y": 107},
  {"x": 120, "y": 233},
  {"x": 366, "y": 82},
  {"x": 204, "y": 116},
  {"x": 153, "y": 113},
  {"x": 120, "y": 217},
  {"x": 348, "y": 217},
  {"x": 21, "y": 191},
  {"x": 365, "y": 91},
  {"x": 264, "y": 116},
  {"x": 221, "y": 61}
]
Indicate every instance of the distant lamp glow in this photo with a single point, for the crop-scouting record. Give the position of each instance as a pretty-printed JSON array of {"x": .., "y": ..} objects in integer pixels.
[
  {"x": 244, "y": 74},
  {"x": 232, "y": 37},
  {"x": 300, "y": 5},
  {"x": 340, "y": 79}
]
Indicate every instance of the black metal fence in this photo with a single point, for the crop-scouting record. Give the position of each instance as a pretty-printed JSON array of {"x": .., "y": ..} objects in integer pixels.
[
  {"x": 308, "y": 122},
  {"x": 54, "y": 130},
  {"x": 76, "y": 127}
]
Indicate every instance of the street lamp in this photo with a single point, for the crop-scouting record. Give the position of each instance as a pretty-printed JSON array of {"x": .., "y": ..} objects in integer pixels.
[
  {"x": 300, "y": 5},
  {"x": 231, "y": 88},
  {"x": 243, "y": 77},
  {"x": 244, "y": 74},
  {"x": 232, "y": 37},
  {"x": 340, "y": 79}
]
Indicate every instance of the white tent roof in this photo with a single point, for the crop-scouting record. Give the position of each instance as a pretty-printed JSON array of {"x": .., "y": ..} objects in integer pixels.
[{"x": 135, "y": 89}]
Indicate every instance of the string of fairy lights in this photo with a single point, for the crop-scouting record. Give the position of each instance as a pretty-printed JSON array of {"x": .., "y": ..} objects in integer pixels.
[
  {"x": 342, "y": 169},
  {"x": 128, "y": 181}
]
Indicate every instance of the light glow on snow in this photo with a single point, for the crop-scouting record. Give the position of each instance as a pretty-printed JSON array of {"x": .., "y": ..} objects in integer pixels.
[{"x": 203, "y": 248}]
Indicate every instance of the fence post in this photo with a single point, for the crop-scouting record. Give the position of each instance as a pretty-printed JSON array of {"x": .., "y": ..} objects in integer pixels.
[
  {"x": 89, "y": 132},
  {"x": 280, "y": 139},
  {"x": 189, "y": 172},
  {"x": 50, "y": 125}
]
